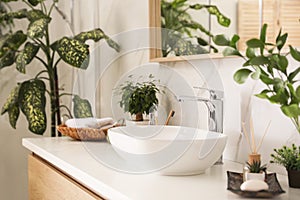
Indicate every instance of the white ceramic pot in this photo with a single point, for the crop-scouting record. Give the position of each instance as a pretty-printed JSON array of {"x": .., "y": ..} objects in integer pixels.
[{"x": 254, "y": 176}]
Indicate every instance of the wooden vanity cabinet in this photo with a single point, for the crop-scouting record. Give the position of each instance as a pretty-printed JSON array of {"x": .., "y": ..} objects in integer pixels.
[{"x": 49, "y": 183}]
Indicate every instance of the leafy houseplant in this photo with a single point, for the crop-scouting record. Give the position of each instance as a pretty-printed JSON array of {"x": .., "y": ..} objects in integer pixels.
[
  {"x": 20, "y": 48},
  {"x": 265, "y": 61},
  {"x": 138, "y": 97},
  {"x": 184, "y": 33},
  {"x": 289, "y": 157}
]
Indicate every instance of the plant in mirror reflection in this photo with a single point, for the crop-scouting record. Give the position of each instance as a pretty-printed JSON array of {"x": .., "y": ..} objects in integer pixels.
[
  {"x": 266, "y": 62},
  {"x": 184, "y": 35},
  {"x": 20, "y": 47}
]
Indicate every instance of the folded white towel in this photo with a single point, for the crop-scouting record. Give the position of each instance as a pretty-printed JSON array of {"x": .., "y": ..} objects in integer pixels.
[
  {"x": 89, "y": 122},
  {"x": 104, "y": 122}
]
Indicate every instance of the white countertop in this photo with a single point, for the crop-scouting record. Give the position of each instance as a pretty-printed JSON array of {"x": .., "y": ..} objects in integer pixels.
[{"x": 76, "y": 160}]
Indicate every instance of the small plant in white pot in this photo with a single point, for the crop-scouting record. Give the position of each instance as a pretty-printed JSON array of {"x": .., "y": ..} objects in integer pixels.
[{"x": 256, "y": 171}]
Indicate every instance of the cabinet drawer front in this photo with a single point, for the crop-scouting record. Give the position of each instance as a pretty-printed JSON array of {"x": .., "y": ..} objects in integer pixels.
[{"x": 45, "y": 182}]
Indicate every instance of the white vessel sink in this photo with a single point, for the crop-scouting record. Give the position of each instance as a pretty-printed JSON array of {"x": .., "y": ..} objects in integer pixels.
[{"x": 169, "y": 150}]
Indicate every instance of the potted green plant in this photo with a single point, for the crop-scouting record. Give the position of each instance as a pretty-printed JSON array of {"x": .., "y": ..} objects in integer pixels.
[
  {"x": 289, "y": 157},
  {"x": 255, "y": 170},
  {"x": 265, "y": 61},
  {"x": 138, "y": 98},
  {"x": 19, "y": 47},
  {"x": 184, "y": 35}
]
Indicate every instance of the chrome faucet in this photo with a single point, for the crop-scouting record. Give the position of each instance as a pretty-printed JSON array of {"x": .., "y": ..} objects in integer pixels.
[
  {"x": 214, "y": 105},
  {"x": 215, "y": 109}
]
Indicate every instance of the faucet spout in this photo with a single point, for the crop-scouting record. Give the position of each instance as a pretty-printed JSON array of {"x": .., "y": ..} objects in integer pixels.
[{"x": 214, "y": 105}]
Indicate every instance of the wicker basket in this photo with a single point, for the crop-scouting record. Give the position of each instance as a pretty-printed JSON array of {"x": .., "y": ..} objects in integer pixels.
[{"x": 84, "y": 133}]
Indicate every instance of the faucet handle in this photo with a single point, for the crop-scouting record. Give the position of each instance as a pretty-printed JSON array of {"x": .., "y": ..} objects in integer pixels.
[{"x": 214, "y": 94}]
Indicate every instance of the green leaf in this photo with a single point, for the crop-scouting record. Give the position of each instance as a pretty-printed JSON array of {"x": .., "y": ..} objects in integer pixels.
[
  {"x": 73, "y": 52},
  {"x": 278, "y": 84},
  {"x": 263, "y": 94},
  {"x": 13, "y": 115},
  {"x": 294, "y": 96},
  {"x": 280, "y": 42},
  {"x": 221, "y": 40},
  {"x": 256, "y": 75},
  {"x": 293, "y": 74},
  {"x": 13, "y": 15},
  {"x": 295, "y": 53},
  {"x": 35, "y": 2},
  {"x": 291, "y": 111},
  {"x": 34, "y": 15},
  {"x": 11, "y": 100},
  {"x": 255, "y": 43},
  {"x": 298, "y": 92},
  {"x": 113, "y": 44},
  {"x": 263, "y": 33},
  {"x": 32, "y": 102},
  {"x": 82, "y": 108},
  {"x": 241, "y": 75},
  {"x": 201, "y": 41},
  {"x": 13, "y": 42},
  {"x": 222, "y": 19},
  {"x": 26, "y": 56},
  {"x": 37, "y": 28},
  {"x": 266, "y": 80},
  {"x": 283, "y": 63},
  {"x": 96, "y": 35},
  {"x": 259, "y": 60},
  {"x": 229, "y": 51},
  {"x": 7, "y": 59},
  {"x": 281, "y": 97},
  {"x": 233, "y": 42},
  {"x": 250, "y": 52}
]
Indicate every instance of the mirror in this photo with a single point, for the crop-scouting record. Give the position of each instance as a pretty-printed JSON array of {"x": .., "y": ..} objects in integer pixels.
[
  {"x": 247, "y": 17},
  {"x": 188, "y": 26}
]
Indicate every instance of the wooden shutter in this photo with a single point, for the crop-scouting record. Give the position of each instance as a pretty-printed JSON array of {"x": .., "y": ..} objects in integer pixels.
[
  {"x": 248, "y": 21},
  {"x": 277, "y": 14},
  {"x": 289, "y": 15}
]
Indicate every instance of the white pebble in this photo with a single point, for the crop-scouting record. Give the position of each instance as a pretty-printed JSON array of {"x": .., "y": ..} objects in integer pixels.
[{"x": 254, "y": 185}]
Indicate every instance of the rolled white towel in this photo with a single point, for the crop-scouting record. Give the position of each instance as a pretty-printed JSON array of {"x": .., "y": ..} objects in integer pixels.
[
  {"x": 89, "y": 122},
  {"x": 104, "y": 122}
]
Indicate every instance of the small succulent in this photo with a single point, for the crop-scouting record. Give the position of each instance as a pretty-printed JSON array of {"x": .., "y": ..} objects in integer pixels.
[
  {"x": 289, "y": 157},
  {"x": 256, "y": 167}
]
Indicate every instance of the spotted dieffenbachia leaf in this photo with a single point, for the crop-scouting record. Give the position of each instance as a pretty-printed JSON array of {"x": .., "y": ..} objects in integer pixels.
[
  {"x": 36, "y": 29},
  {"x": 32, "y": 102},
  {"x": 82, "y": 108},
  {"x": 12, "y": 107},
  {"x": 26, "y": 56},
  {"x": 96, "y": 35},
  {"x": 35, "y": 2},
  {"x": 73, "y": 52}
]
